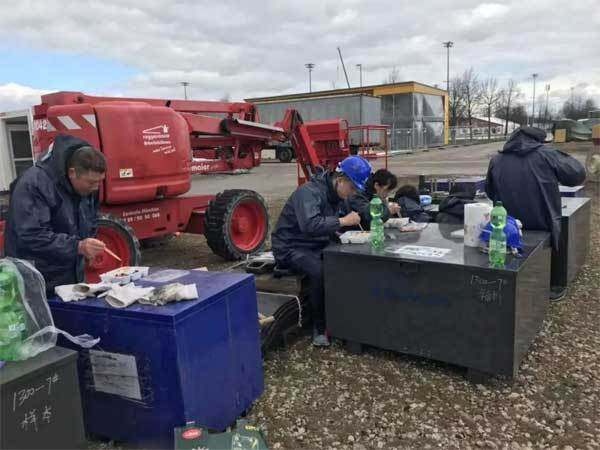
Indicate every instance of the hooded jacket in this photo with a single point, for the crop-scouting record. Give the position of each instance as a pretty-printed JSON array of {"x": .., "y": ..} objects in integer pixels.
[
  {"x": 361, "y": 203},
  {"x": 309, "y": 218},
  {"x": 525, "y": 176},
  {"x": 47, "y": 218},
  {"x": 452, "y": 208}
]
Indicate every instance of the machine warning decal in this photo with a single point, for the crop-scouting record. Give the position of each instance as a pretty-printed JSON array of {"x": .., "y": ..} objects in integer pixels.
[
  {"x": 125, "y": 173},
  {"x": 159, "y": 138}
]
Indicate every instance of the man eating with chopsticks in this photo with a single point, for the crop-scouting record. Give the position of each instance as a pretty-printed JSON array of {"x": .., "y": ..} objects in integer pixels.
[{"x": 52, "y": 219}]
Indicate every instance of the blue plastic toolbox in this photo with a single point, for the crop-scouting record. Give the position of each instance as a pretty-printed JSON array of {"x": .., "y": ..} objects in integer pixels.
[{"x": 156, "y": 368}]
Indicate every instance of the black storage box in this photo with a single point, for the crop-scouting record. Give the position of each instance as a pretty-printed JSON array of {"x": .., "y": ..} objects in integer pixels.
[
  {"x": 41, "y": 406},
  {"x": 452, "y": 308},
  {"x": 574, "y": 240}
]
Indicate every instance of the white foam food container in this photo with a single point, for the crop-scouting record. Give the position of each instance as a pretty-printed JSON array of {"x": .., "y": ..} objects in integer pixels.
[
  {"x": 355, "y": 237},
  {"x": 396, "y": 222},
  {"x": 124, "y": 275}
]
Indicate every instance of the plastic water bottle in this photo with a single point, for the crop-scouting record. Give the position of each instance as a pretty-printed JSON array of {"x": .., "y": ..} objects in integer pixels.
[
  {"x": 497, "y": 252},
  {"x": 12, "y": 317},
  {"x": 377, "y": 236}
]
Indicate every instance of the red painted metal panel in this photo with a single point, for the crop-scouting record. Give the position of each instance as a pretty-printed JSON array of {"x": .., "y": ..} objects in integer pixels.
[
  {"x": 148, "y": 150},
  {"x": 160, "y": 217}
]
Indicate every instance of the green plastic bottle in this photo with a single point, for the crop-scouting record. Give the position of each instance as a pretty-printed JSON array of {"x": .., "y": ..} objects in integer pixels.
[
  {"x": 497, "y": 253},
  {"x": 12, "y": 317},
  {"x": 377, "y": 236}
]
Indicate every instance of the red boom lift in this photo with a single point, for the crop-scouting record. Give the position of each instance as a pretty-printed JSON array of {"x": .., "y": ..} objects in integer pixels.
[{"x": 149, "y": 144}]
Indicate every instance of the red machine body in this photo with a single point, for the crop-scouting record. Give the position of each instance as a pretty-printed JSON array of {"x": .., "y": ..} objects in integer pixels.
[
  {"x": 213, "y": 151},
  {"x": 324, "y": 143},
  {"x": 149, "y": 145}
]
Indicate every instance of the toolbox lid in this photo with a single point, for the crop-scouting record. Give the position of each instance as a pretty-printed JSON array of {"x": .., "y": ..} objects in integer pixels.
[
  {"x": 14, "y": 370},
  {"x": 211, "y": 287},
  {"x": 450, "y": 250}
]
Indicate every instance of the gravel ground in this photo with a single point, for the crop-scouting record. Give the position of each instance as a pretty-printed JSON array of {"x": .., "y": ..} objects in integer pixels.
[
  {"x": 317, "y": 398},
  {"x": 333, "y": 399}
]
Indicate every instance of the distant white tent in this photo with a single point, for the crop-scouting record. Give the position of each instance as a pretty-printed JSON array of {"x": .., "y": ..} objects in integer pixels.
[{"x": 496, "y": 121}]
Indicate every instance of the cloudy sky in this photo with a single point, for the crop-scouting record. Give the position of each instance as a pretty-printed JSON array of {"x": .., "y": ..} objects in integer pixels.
[{"x": 241, "y": 49}]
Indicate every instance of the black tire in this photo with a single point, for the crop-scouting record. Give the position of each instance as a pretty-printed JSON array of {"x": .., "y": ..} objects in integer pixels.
[
  {"x": 285, "y": 154},
  {"x": 217, "y": 223},
  {"x": 126, "y": 233}
]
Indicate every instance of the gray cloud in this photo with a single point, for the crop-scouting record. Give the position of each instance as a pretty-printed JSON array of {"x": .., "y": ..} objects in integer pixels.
[{"x": 247, "y": 49}]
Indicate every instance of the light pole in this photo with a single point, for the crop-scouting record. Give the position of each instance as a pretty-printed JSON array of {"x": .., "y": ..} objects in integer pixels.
[
  {"x": 185, "y": 84},
  {"x": 360, "y": 72},
  {"x": 310, "y": 67},
  {"x": 546, "y": 111},
  {"x": 535, "y": 75},
  {"x": 448, "y": 44}
]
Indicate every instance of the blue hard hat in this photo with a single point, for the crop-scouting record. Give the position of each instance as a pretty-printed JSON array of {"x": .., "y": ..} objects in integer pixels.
[
  {"x": 357, "y": 169},
  {"x": 511, "y": 229}
]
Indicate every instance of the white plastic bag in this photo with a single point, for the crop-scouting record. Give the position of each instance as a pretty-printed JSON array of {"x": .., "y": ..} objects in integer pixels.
[{"x": 28, "y": 328}]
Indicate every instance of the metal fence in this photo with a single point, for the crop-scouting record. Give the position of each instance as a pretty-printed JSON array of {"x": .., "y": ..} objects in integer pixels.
[
  {"x": 472, "y": 135},
  {"x": 414, "y": 139}
]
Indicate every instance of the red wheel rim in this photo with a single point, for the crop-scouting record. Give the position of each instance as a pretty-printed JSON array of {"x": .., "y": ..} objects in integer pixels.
[
  {"x": 102, "y": 263},
  {"x": 248, "y": 226}
]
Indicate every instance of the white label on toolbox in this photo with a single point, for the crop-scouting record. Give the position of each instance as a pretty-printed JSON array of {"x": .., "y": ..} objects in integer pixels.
[
  {"x": 421, "y": 251},
  {"x": 126, "y": 173},
  {"x": 116, "y": 374}
]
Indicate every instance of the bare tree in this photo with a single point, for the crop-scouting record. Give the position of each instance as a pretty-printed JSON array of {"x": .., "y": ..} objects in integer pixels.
[
  {"x": 471, "y": 87},
  {"x": 508, "y": 96},
  {"x": 577, "y": 108},
  {"x": 455, "y": 101},
  {"x": 518, "y": 114},
  {"x": 490, "y": 95}
]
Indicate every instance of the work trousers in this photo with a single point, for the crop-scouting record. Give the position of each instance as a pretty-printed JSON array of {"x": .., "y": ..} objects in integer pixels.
[{"x": 310, "y": 264}]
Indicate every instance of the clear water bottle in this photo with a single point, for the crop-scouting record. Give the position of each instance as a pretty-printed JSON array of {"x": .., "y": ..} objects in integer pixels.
[
  {"x": 12, "y": 318},
  {"x": 377, "y": 236},
  {"x": 497, "y": 252}
]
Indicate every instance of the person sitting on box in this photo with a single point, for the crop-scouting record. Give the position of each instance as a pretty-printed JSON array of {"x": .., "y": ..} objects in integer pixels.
[
  {"x": 308, "y": 223},
  {"x": 407, "y": 197},
  {"x": 525, "y": 175},
  {"x": 380, "y": 183},
  {"x": 452, "y": 208}
]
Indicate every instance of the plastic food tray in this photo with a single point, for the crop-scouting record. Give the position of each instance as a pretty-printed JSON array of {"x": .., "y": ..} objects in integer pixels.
[{"x": 355, "y": 237}]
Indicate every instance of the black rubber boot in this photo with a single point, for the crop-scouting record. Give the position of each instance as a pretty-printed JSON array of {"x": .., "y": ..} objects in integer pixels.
[{"x": 557, "y": 293}]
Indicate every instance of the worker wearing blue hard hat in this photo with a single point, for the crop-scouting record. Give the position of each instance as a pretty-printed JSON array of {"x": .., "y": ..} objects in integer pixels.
[
  {"x": 357, "y": 169},
  {"x": 308, "y": 223}
]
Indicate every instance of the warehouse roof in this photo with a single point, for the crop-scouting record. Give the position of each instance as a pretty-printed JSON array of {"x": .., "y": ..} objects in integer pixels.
[{"x": 378, "y": 89}]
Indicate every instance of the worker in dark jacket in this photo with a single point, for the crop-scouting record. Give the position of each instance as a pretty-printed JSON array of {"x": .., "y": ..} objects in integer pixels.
[
  {"x": 525, "y": 176},
  {"x": 408, "y": 199},
  {"x": 380, "y": 183},
  {"x": 452, "y": 208},
  {"x": 308, "y": 223},
  {"x": 53, "y": 211}
]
